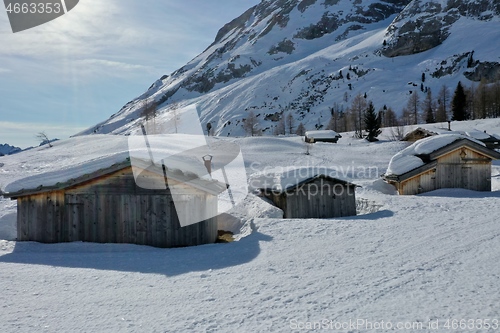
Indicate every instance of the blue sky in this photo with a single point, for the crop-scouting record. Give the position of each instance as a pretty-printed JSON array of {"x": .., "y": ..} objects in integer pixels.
[{"x": 73, "y": 72}]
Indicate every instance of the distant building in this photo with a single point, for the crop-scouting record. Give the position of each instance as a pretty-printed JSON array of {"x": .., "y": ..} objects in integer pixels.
[
  {"x": 491, "y": 141},
  {"x": 322, "y": 136},
  {"x": 442, "y": 161},
  {"x": 418, "y": 134},
  {"x": 313, "y": 196}
]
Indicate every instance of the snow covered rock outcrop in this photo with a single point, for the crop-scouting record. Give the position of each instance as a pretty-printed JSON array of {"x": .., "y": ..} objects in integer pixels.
[{"x": 423, "y": 25}]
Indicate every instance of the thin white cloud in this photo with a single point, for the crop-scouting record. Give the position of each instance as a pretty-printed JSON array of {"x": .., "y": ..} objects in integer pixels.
[{"x": 113, "y": 68}]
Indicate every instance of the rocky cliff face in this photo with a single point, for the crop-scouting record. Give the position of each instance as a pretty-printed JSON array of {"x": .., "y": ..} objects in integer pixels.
[
  {"x": 278, "y": 29},
  {"x": 303, "y": 57},
  {"x": 424, "y": 25}
]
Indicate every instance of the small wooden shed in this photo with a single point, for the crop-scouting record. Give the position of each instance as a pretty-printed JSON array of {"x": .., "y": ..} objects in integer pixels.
[
  {"x": 490, "y": 141},
  {"x": 107, "y": 206},
  {"x": 322, "y": 136},
  {"x": 318, "y": 196},
  {"x": 459, "y": 162},
  {"x": 418, "y": 134}
]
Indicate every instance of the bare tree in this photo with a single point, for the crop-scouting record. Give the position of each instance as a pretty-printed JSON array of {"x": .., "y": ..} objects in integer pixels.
[
  {"x": 45, "y": 139},
  {"x": 358, "y": 108},
  {"x": 149, "y": 111},
  {"x": 482, "y": 100},
  {"x": 337, "y": 113},
  {"x": 442, "y": 110},
  {"x": 406, "y": 117},
  {"x": 280, "y": 128},
  {"x": 301, "y": 130},
  {"x": 290, "y": 122},
  {"x": 251, "y": 125},
  {"x": 174, "y": 120},
  {"x": 398, "y": 132},
  {"x": 471, "y": 101},
  {"x": 390, "y": 118},
  {"x": 413, "y": 107}
]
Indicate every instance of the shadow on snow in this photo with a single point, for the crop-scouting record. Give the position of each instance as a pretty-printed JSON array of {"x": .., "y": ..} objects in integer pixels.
[
  {"x": 460, "y": 193},
  {"x": 135, "y": 258}
]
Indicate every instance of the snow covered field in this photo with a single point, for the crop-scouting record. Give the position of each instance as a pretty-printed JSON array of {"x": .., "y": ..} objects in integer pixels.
[{"x": 417, "y": 259}]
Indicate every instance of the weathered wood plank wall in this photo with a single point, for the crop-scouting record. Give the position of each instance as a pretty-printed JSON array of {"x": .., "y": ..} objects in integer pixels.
[
  {"x": 319, "y": 199},
  {"x": 114, "y": 210},
  {"x": 462, "y": 168}
]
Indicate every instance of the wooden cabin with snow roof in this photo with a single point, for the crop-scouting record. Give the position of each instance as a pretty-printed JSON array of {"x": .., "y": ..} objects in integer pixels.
[
  {"x": 108, "y": 206},
  {"x": 310, "y": 195},
  {"x": 442, "y": 161},
  {"x": 322, "y": 136}
]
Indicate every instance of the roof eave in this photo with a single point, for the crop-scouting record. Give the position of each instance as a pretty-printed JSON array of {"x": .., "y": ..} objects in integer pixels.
[
  {"x": 292, "y": 188},
  {"x": 412, "y": 173},
  {"x": 494, "y": 155},
  {"x": 70, "y": 183}
]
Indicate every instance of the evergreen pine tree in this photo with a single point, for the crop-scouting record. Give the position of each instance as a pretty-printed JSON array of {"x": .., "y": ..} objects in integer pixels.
[
  {"x": 280, "y": 127},
  {"x": 372, "y": 123},
  {"x": 458, "y": 104}
]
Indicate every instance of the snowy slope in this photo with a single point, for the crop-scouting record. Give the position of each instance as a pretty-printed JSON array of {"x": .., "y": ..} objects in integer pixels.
[
  {"x": 414, "y": 259},
  {"x": 303, "y": 56}
]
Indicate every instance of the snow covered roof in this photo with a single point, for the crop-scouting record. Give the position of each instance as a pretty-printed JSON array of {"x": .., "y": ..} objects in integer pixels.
[
  {"x": 418, "y": 133},
  {"x": 70, "y": 160},
  {"x": 478, "y": 135},
  {"x": 288, "y": 180},
  {"x": 410, "y": 158},
  {"x": 323, "y": 134}
]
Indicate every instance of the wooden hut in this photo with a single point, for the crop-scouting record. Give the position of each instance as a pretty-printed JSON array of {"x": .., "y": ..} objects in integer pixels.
[
  {"x": 317, "y": 196},
  {"x": 322, "y": 136},
  {"x": 418, "y": 134},
  {"x": 490, "y": 141},
  {"x": 107, "y": 206},
  {"x": 443, "y": 161}
]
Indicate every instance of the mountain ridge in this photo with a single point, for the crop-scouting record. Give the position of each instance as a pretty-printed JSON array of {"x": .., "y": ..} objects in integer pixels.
[
  {"x": 6, "y": 149},
  {"x": 302, "y": 57}
]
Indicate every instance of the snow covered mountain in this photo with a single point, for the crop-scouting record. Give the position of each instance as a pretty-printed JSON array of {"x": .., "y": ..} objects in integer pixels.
[
  {"x": 6, "y": 149},
  {"x": 302, "y": 57}
]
